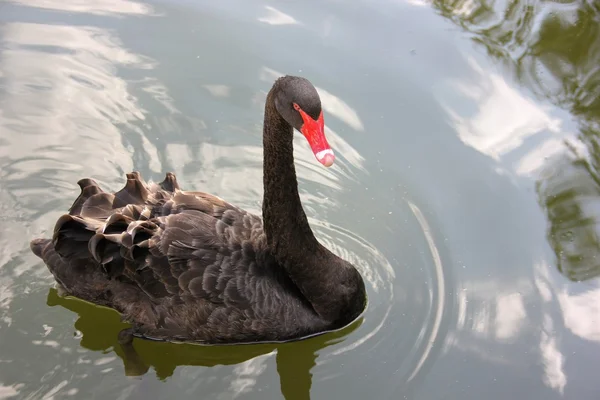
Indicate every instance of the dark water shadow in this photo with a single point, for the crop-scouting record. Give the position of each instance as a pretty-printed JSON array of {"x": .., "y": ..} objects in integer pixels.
[
  {"x": 100, "y": 327},
  {"x": 570, "y": 197}
]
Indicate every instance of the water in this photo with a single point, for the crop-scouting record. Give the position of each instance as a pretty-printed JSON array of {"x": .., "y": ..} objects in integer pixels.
[{"x": 466, "y": 188}]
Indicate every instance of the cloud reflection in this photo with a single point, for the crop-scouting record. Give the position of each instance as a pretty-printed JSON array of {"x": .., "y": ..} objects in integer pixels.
[
  {"x": 553, "y": 361},
  {"x": 246, "y": 375},
  {"x": 488, "y": 310},
  {"x": 504, "y": 117},
  {"x": 70, "y": 97},
  {"x": 510, "y": 315},
  {"x": 10, "y": 391},
  {"x": 218, "y": 90},
  {"x": 581, "y": 313},
  {"x": 99, "y": 7},
  {"x": 6, "y": 296},
  {"x": 64, "y": 109},
  {"x": 535, "y": 159},
  {"x": 552, "y": 357},
  {"x": 276, "y": 17},
  {"x": 490, "y": 317}
]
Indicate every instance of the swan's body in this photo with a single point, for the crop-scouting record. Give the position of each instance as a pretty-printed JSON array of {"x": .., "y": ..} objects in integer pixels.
[{"x": 189, "y": 266}]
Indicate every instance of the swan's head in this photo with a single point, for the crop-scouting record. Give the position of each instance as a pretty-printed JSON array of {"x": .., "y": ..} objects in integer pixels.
[{"x": 298, "y": 102}]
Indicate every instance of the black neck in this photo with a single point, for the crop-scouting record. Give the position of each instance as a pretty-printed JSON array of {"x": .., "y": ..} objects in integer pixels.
[
  {"x": 285, "y": 222},
  {"x": 333, "y": 288}
]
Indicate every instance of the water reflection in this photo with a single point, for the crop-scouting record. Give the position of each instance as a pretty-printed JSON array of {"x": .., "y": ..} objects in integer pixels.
[
  {"x": 553, "y": 360},
  {"x": 99, "y": 7},
  {"x": 438, "y": 292},
  {"x": 276, "y": 17},
  {"x": 218, "y": 90},
  {"x": 552, "y": 49},
  {"x": 98, "y": 329},
  {"x": 9, "y": 391},
  {"x": 581, "y": 312},
  {"x": 485, "y": 311},
  {"x": 504, "y": 119},
  {"x": 79, "y": 93},
  {"x": 570, "y": 197}
]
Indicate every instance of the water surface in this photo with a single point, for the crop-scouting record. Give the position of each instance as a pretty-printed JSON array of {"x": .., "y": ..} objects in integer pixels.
[{"x": 466, "y": 187}]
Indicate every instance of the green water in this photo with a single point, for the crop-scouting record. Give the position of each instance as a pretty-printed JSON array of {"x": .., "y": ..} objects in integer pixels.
[{"x": 466, "y": 188}]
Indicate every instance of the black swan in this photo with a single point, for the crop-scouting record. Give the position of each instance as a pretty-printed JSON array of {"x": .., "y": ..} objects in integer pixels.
[{"x": 188, "y": 266}]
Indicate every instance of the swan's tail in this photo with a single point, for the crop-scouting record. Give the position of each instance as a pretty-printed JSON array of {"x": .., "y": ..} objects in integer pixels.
[
  {"x": 91, "y": 244},
  {"x": 44, "y": 249},
  {"x": 37, "y": 246}
]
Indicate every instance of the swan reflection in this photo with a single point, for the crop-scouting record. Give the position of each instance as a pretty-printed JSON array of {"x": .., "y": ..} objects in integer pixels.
[{"x": 99, "y": 329}]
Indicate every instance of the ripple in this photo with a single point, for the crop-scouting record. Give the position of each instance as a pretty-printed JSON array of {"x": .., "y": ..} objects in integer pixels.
[
  {"x": 418, "y": 312},
  {"x": 372, "y": 265},
  {"x": 441, "y": 293}
]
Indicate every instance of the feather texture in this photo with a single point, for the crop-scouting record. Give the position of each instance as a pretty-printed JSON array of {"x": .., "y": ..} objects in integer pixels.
[{"x": 198, "y": 268}]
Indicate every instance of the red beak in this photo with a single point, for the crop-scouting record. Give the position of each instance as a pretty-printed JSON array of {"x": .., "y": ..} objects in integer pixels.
[{"x": 314, "y": 132}]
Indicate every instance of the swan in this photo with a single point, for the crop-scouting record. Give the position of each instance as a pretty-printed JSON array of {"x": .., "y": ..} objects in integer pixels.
[{"x": 188, "y": 266}]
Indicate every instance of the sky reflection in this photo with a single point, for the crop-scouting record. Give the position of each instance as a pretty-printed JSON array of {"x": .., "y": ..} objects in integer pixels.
[
  {"x": 99, "y": 7},
  {"x": 504, "y": 118},
  {"x": 276, "y": 17},
  {"x": 71, "y": 90}
]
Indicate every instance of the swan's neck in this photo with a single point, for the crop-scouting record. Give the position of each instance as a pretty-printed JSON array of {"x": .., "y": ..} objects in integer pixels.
[
  {"x": 332, "y": 286},
  {"x": 286, "y": 225}
]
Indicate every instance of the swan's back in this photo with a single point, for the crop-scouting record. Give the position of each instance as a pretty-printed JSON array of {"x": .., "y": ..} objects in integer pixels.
[{"x": 179, "y": 265}]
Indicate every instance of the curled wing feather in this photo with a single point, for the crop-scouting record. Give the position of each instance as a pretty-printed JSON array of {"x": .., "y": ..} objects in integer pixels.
[{"x": 170, "y": 243}]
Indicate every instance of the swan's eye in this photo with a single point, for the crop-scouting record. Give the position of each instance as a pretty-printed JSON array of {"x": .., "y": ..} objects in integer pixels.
[{"x": 296, "y": 107}]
